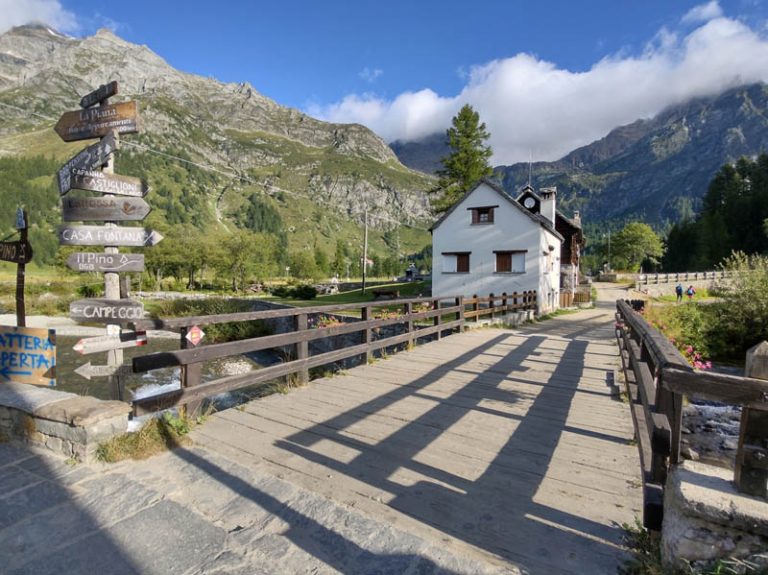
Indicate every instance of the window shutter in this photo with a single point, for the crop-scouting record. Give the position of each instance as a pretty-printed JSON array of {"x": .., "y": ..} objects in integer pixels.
[{"x": 462, "y": 263}]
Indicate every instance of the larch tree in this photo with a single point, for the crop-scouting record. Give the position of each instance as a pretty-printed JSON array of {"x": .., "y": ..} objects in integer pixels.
[{"x": 468, "y": 161}]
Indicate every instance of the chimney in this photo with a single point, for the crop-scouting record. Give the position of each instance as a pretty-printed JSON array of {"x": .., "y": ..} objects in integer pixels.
[
  {"x": 548, "y": 196},
  {"x": 577, "y": 217}
]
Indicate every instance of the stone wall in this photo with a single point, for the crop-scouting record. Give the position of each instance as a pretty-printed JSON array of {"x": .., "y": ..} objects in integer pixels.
[{"x": 65, "y": 423}]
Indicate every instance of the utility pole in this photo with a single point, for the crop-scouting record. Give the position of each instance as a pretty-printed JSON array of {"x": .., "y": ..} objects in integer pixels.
[{"x": 365, "y": 247}]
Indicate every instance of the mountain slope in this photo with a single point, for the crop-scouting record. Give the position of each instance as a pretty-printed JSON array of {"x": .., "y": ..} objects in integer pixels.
[
  {"x": 655, "y": 170},
  {"x": 319, "y": 177}
]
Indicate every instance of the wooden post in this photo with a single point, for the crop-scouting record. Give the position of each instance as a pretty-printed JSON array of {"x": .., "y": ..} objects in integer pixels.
[
  {"x": 190, "y": 376},
  {"x": 408, "y": 310},
  {"x": 437, "y": 319},
  {"x": 504, "y": 303},
  {"x": 300, "y": 323},
  {"x": 514, "y": 300},
  {"x": 751, "y": 474},
  {"x": 460, "y": 313},
  {"x": 491, "y": 305},
  {"x": 366, "y": 335},
  {"x": 21, "y": 311},
  {"x": 475, "y": 307}
]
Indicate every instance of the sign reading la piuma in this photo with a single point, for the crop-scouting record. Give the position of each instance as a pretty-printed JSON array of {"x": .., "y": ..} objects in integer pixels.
[{"x": 27, "y": 355}]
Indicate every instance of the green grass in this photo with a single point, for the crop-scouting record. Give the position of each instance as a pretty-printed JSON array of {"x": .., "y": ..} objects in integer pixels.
[{"x": 701, "y": 294}]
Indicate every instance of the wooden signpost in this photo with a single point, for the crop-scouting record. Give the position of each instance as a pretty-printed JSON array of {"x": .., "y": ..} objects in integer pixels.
[
  {"x": 88, "y": 159},
  {"x": 103, "y": 262},
  {"x": 107, "y": 236},
  {"x": 106, "y": 208},
  {"x": 16, "y": 252},
  {"x": 97, "y": 122},
  {"x": 92, "y": 170},
  {"x": 99, "y": 95},
  {"x": 95, "y": 181},
  {"x": 106, "y": 310},
  {"x": 107, "y": 342}
]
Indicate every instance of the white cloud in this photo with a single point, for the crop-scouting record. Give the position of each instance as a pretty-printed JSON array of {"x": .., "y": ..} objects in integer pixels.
[
  {"x": 50, "y": 12},
  {"x": 370, "y": 75},
  {"x": 531, "y": 106},
  {"x": 703, "y": 13}
]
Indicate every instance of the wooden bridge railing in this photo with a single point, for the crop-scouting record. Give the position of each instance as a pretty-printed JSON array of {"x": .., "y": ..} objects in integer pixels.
[
  {"x": 657, "y": 377},
  {"x": 420, "y": 317},
  {"x": 669, "y": 278}
]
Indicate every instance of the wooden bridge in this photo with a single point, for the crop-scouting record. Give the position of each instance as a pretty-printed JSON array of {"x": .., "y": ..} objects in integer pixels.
[{"x": 508, "y": 446}]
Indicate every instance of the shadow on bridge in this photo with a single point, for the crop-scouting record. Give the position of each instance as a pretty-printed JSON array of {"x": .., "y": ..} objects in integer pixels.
[{"x": 498, "y": 510}]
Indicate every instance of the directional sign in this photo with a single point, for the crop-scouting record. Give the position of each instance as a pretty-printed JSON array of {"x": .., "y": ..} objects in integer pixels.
[
  {"x": 95, "y": 181},
  {"x": 107, "y": 236},
  {"x": 16, "y": 252},
  {"x": 97, "y": 122},
  {"x": 106, "y": 310},
  {"x": 99, "y": 95},
  {"x": 27, "y": 355},
  {"x": 101, "y": 262},
  {"x": 88, "y": 370},
  {"x": 109, "y": 342},
  {"x": 90, "y": 158},
  {"x": 104, "y": 209}
]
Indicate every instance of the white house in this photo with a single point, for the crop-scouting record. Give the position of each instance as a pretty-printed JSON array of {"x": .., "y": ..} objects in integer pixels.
[{"x": 488, "y": 242}]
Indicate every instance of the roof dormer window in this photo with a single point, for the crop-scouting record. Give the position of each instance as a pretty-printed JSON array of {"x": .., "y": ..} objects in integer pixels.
[{"x": 482, "y": 215}]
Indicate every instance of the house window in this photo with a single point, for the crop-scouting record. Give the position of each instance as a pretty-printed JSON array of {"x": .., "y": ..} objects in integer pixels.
[
  {"x": 510, "y": 262},
  {"x": 482, "y": 215},
  {"x": 456, "y": 262}
]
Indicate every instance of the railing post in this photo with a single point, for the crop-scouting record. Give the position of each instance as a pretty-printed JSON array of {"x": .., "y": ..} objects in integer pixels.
[
  {"x": 437, "y": 319},
  {"x": 514, "y": 300},
  {"x": 408, "y": 310},
  {"x": 504, "y": 304},
  {"x": 475, "y": 307},
  {"x": 366, "y": 335},
  {"x": 190, "y": 376},
  {"x": 751, "y": 473},
  {"x": 491, "y": 304},
  {"x": 460, "y": 313},
  {"x": 301, "y": 323}
]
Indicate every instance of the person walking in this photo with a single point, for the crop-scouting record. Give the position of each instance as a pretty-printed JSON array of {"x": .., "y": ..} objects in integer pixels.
[
  {"x": 679, "y": 292},
  {"x": 690, "y": 292}
]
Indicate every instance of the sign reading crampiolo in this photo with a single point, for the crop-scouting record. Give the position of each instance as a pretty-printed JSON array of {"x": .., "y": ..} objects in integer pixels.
[{"x": 27, "y": 355}]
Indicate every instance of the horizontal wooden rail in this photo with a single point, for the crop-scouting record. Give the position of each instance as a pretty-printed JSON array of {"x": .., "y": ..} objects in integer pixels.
[
  {"x": 657, "y": 378},
  {"x": 442, "y": 316}
]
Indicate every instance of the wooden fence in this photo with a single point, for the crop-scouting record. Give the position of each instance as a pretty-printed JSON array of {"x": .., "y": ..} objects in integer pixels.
[
  {"x": 681, "y": 277},
  {"x": 657, "y": 377},
  {"x": 417, "y": 318}
]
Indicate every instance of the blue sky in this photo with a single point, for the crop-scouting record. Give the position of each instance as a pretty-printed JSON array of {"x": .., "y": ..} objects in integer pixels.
[{"x": 546, "y": 76}]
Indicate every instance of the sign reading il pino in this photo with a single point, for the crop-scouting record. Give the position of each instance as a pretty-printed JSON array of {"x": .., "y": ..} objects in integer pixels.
[
  {"x": 97, "y": 122},
  {"x": 103, "y": 262},
  {"x": 17, "y": 252},
  {"x": 95, "y": 181},
  {"x": 106, "y": 310},
  {"x": 104, "y": 209},
  {"x": 107, "y": 236},
  {"x": 27, "y": 355}
]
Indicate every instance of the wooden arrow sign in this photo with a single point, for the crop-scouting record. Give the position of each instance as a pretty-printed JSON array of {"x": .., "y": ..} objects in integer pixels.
[
  {"x": 107, "y": 236},
  {"x": 99, "y": 95},
  {"x": 95, "y": 181},
  {"x": 97, "y": 122},
  {"x": 16, "y": 252},
  {"x": 89, "y": 370},
  {"x": 101, "y": 262},
  {"x": 107, "y": 209},
  {"x": 88, "y": 159},
  {"x": 109, "y": 342},
  {"x": 106, "y": 310}
]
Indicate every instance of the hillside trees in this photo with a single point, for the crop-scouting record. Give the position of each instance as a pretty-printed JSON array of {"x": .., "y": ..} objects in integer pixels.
[
  {"x": 634, "y": 244},
  {"x": 468, "y": 161},
  {"x": 732, "y": 218}
]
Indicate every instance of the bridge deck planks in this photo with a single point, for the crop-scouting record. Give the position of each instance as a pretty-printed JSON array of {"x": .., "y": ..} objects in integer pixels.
[{"x": 492, "y": 441}]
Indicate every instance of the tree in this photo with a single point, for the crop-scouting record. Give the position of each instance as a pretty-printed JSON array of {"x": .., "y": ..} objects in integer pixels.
[
  {"x": 468, "y": 161},
  {"x": 634, "y": 244}
]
